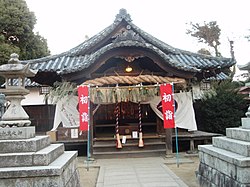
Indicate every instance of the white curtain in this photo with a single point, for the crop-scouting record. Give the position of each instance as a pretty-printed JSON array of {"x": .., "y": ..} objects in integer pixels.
[
  {"x": 184, "y": 115},
  {"x": 67, "y": 113}
]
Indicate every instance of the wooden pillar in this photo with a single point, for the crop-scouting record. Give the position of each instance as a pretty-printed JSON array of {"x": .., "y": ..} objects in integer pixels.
[
  {"x": 191, "y": 145},
  {"x": 168, "y": 139}
]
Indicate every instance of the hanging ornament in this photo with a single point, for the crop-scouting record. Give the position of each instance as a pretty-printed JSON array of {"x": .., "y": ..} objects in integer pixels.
[
  {"x": 141, "y": 143},
  {"x": 118, "y": 140}
]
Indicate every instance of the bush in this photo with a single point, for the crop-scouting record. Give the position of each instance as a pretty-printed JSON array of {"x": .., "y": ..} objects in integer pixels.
[{"x": 221, "y": 108}]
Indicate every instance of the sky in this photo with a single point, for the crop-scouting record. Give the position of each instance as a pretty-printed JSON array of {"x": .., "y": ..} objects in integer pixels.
[{"x": 66, "y": 23}]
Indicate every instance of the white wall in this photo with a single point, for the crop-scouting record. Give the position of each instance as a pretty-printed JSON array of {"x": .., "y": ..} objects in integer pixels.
[{"x": 34, "y": 97}]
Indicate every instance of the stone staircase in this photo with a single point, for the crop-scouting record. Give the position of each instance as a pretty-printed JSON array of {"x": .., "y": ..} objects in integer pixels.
[
  {"x": 227, "y": 161},
  {"x": 33, "y": 161},
  {"x": 106, "y": 147}
]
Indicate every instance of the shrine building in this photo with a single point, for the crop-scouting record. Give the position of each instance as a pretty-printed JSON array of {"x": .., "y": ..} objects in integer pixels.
[{"x": 124, "y": 66}]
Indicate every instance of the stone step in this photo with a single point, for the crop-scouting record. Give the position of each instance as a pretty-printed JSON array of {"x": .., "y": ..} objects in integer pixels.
[
  {"x": 238, "y": 133},
  {"x": 145, "y": 139},
  {"x": 40, "y": 158},
  {"x": 129, "y": 147},
  {"x": 230, "y": 164},
  {"x": 61, "y": 172},
  {"x": 129, "y": 154},
  {"x": 127, "y": 144},
  {"x": 227, "y": 156},
  {"x": 24, "y": 145},
  {"x": 154, "y": 145},
  {"x": 48, "y": 155},
  {"x": 237, "y": 146}
]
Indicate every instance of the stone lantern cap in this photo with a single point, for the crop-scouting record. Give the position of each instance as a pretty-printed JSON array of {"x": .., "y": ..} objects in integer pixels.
[{"x": 15, "y": 69}]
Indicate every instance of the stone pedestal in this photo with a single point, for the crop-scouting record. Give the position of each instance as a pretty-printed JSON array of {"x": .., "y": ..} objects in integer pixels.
[
  {"x": 245, "y": 123},
  {"x": 29, "y": 160},
  {"x": 227, "y": 161},
  {"x": 16, "y": 133}
]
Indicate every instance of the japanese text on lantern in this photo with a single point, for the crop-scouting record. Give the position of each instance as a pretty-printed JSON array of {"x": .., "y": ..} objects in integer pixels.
[
  {"x": 166, "y": 91},
  {"x": 83, "y": 95}
]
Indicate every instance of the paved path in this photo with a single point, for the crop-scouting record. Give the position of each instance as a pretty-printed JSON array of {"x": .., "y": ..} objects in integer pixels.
[{"x": 136, "y": 172}]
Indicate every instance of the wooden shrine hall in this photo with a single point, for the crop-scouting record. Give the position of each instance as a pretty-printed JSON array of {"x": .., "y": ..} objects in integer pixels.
[{"x": 124, "y": 67}]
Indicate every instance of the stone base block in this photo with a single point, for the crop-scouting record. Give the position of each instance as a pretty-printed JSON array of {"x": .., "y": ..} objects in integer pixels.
[
  {"x": 233, "y": 145},
  {"x": 60, "y": 173},
  {"x": 24, "y": 145},
  {"x": 210, "y": 177},
  {"x": 13, "y": 133},
  {"x": 227, "y": 161},
  {"x": 208, "y": 154},
  {"x": 238, "y": 134},
  {"x": 40, "y": 158},
  {"x": 245, "y": 123},
  {"x": 232, "y": 166}
]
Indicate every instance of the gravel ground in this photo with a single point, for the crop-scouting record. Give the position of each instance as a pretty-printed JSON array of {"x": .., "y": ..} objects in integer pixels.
[
  {"x": 186, "y": 171},
  {"x": 88, "y": 178},
  {"x": 88, "y": 173}
]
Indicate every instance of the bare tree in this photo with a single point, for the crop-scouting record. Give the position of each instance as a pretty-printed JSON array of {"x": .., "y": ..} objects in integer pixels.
[
  {"x": 208, "y": 33},
  {"x": 204, "y": 51}
]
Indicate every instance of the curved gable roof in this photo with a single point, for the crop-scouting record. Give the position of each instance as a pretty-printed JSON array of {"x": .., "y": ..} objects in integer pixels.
[{"x": 85, "y": 54}]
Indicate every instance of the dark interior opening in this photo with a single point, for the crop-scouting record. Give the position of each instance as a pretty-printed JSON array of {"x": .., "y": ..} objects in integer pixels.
[{"x": 105, "y": 119}]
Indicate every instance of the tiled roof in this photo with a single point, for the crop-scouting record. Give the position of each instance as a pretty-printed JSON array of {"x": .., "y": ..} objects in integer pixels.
[
  {"x": 245, "y": 66},
  {"x": 220, "y": 76},
  {"x": 27, "y": 83},
  {"x": 82, "y": 56}
]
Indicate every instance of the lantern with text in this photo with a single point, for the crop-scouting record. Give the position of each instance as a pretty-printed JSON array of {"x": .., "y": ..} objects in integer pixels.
[
  {"x": 166, "y": 91},
  {"x": 83, "y": 100}
]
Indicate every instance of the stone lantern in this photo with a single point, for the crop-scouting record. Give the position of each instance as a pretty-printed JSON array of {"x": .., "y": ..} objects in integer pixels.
[
  {"x": 27, "y": 159},
  {"x": 15, "y": 115}
]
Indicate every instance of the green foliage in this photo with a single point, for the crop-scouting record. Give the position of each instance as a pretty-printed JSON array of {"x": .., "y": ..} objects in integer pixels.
[
  {"x": 36, "y": 47},
  {"x": 16, "y": 32},
  {"x": 6, "y": 48},
  {"x": 208, "y": 33},
  {"x": 5, "y": 51},
  {"x": 222, "y": 108}
]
